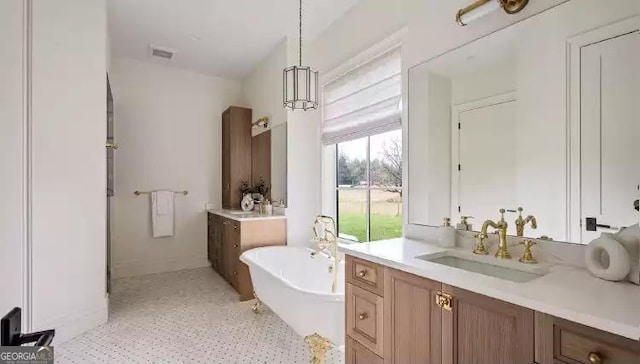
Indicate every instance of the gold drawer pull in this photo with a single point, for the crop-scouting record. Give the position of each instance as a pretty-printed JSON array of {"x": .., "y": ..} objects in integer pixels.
[
  {"x": 235, "y": 273},
  {"x": 363, "y": 316},
  {"x": 235, "y": 245},
  {"x": 235, "y": 227},
  {"x": 362, "y": 273},
  {"x": 111, "y": 145},
  {"x": 595, "y": 358}
]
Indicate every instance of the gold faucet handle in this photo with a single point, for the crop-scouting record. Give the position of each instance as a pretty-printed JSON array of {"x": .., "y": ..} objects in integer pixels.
[
  {"x": 480, "y": 248},
  {"x": 527, "y": 255},
  {"x": 502, "y": 211}
]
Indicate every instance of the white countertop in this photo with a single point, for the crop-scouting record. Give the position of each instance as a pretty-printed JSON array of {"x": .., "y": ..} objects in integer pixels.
[
  {"x": 239, "y": 215},
  {"x": 566, "y": 292}
]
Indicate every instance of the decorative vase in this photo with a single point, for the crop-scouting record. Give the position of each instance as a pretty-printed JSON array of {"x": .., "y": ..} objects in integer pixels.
[{"x": 247, "y": 202}]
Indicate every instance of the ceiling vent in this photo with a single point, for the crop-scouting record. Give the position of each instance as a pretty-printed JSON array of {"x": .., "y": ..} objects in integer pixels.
[{"x": 161, "y": 52}]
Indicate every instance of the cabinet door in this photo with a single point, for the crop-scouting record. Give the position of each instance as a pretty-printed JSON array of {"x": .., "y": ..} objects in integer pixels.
[
  {"x": 211, "y": 233},
  {"x": 226, "y": 161},
  {"x": 479, "y": 329},
  {"x": 231, "y": 243},
  {"x": 412, "y": 319}
]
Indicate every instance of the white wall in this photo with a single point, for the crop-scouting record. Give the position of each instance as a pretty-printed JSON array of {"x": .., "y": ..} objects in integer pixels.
[
  {"x": 168, "y": 127},
  {"x": 68, "y": 166},
  {"x": 11, "y": 155}
]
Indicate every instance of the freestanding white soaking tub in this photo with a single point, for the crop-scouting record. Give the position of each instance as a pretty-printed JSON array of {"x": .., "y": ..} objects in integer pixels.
[{"x": 296, "y": 284}]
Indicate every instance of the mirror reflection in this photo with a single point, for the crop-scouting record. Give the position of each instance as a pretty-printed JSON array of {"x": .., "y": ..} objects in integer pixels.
[
  {"x": 269, "y": 162},
  {"x": 498, "y": 129}
]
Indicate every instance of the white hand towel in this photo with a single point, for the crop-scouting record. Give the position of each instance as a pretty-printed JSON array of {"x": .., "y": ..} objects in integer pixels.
[{"x": 162, "y": 213}]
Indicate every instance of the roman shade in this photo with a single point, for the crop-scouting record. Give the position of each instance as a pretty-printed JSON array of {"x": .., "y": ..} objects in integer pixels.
[{"x": 364, "y": 101}]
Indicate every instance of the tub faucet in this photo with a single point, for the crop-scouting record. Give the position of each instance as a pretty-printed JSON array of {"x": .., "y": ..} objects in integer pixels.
[{"x": 324, "y": 232}]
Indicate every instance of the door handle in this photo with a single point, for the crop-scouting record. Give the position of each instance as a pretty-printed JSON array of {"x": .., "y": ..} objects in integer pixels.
[{"x": 592, "y": 225}]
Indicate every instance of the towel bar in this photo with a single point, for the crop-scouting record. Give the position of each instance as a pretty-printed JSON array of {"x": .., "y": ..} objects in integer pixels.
[{"x": 138, "y": 193}]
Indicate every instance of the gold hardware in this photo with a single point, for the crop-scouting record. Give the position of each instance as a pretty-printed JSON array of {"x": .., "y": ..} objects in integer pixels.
[
  {"x": 480, "y": 248},
  {"x": 546, "y": 238},
  {"x": 330, "y": 269},
  {"x": 138, "y": 193},
  {"x": 362, "y": 273},
  {"x": 235, "y": 245},
  {"x": 235, "y": 273},
  {"x": 595, "y": 358},
  {"x": 447, "y": 222},
  {"x": 111, "y": 145},
  {"x": 501, "y": 226},
  {"x": 509, "y": 6},
  {"x": 235, "y": 227},
  {"x": 263, "y": 122},
  {"x": 324, "y": 232},
  {"x": 363, "y": 316},
  {"x": 527, "y": 256},
  {"x": 319, "y": 347},
  {"x": 444, "y": 301},
  {"x": 257, "y": 307},
  {"x": 521, "y": 223}
]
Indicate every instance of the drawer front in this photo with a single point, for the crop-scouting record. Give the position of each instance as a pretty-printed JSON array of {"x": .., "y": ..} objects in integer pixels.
[
  {"x": 356, "y": 353},
  {"x": 365, "y": 318},
  {"x": 578, "y": 347},
  {"x": 366, "y": 275}
]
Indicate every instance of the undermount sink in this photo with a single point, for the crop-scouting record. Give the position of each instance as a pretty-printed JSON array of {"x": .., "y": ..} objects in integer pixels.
[
  {"x": 509, "y": 274},
  {"x": 239, "y": 212}
]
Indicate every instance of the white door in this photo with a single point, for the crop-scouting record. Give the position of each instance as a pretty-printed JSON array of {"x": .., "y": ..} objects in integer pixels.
[
  {"x": 487, "y": 160},
  {"x": 11, "y": 155},
  {"x": 610, "y": 134}
]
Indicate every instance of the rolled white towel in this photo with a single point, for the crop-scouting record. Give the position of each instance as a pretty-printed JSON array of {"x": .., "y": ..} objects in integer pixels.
[{"x": 607, "y": 258}]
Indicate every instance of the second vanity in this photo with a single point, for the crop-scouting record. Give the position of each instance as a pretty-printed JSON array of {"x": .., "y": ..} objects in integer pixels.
[
  {"x": 413, "y": 302},
  {"x": 230, "y": 233}
]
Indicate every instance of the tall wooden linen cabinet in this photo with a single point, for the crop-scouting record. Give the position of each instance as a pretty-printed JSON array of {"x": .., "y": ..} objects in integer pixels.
[{"x": 236, "y": 154}]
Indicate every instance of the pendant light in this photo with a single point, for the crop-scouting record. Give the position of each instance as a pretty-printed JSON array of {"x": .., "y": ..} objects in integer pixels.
[{"x": 300, "y": 88}]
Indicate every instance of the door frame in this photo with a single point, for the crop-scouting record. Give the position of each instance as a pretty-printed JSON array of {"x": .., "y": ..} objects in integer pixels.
[
  {"x": 456, "y": 111},
  {"x": 574, "y": 150}
]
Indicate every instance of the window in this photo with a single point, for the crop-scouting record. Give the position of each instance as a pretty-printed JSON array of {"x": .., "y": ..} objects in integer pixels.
[
  {"x": 361, "y": 120},
  {"x": 369, "y": 187}
]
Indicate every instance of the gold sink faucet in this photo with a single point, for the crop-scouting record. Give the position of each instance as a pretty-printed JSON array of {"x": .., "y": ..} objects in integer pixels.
[
  {"x": 522, "y": 222},
  {"x": 501, "y": 226}
]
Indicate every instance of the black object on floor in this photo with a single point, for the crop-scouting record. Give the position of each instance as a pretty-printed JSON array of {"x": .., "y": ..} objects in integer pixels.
[{"x": 11, "y": 335}]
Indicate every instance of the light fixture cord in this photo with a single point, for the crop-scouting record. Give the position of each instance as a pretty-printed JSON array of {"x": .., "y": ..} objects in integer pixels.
[{"x": 300, "y": 32}]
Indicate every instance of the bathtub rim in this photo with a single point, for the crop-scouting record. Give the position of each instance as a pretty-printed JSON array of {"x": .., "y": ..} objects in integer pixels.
[{"x": 247, "y": 258}]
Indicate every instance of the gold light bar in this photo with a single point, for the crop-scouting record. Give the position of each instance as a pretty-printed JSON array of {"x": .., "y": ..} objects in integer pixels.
[
  {"x": 509, "y": 6},
  {"x": 263, "y": 122},
  {"x": 138, "y": 193}
]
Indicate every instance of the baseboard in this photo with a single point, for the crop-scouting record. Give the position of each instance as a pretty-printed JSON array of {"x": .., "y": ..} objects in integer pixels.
[
  {"x": 140, "y": 268},
  {"x": 82, "y": 320}
]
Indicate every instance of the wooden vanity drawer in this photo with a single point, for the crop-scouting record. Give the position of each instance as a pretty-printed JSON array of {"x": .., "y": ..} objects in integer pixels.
[
  {"x": 561, "y": 341},
  {"x": 356, "y": 353},
  {"x": 366, "y": 275},
  {"x": 365, "y": 318}
]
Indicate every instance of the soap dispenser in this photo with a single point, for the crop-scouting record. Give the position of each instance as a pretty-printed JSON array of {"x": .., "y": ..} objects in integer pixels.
[
  {"x": 447, "y": 234},
  {"x": 464, "y": 223}
]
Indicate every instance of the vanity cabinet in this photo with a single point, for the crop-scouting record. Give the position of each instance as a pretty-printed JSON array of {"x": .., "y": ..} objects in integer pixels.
[
  {"x": 236, "y": 154},
  {"x": 397, "y": 317},
  {"x": 228, "y": 238}
]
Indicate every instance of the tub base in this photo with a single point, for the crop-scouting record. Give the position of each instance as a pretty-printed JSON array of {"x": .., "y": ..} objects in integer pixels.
[{"x": 319, "y": 347}]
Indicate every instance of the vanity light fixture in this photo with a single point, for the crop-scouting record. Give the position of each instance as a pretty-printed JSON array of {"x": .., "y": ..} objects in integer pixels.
[
  {"x": 263, "y": 122},
  {"x": 300, "y": 88},
  {"x": 483, "y": 7}
]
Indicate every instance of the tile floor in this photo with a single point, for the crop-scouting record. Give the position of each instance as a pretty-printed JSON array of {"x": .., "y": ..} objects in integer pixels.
[{"x": 190, "y": 316}]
